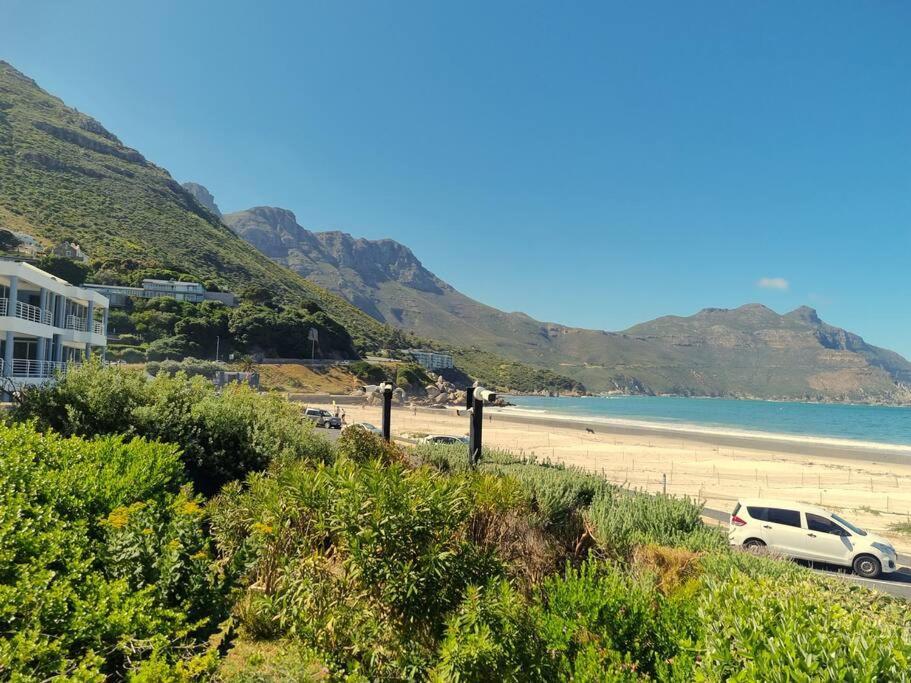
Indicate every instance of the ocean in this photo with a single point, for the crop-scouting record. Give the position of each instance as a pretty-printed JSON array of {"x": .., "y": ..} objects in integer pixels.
[{"x": 877, "y": 424}]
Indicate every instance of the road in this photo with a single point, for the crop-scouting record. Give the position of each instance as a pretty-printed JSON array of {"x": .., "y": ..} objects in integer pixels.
[{"x": 897, "y": 583}]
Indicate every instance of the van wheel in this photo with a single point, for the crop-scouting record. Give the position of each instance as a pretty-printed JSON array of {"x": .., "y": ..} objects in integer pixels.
[
  {"x": 753, "y": 544},
  {"x": 867, "y": 566}
]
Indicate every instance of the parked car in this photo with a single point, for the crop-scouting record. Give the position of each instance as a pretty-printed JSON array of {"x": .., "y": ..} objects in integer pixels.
[
  {"x": 365, "y": 426},
  {"x": 444, "y": 439},
  {"x": 323, "y": 418},
  {"x": 811, "y": 533}
]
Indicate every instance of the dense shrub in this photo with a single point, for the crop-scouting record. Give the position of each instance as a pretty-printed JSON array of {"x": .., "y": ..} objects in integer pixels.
[
  {"x": 222, "y": 436},
  {"x": 360, "y": 445},
  {"x": 104, "y": 561},
  {"x": 762, "y": 628},
  {"x": 171, "y": 348},
  {"x": 191, "y": 367},
  {"x": 369, "y": 372},
  {"x": 360, "y": 561},
  {"x": 493, "y": 636}
]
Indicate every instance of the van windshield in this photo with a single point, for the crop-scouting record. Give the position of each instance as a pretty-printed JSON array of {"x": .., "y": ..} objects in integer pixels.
[{"x": 855, "y": 529}]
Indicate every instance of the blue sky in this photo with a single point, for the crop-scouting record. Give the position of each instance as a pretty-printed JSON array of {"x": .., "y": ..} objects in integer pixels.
[{"x": 592, "y": 164}]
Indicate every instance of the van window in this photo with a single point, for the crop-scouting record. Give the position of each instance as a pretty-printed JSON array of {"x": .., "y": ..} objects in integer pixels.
[
  {"x": 786, "y": 517},
  {"x": 823, "y": 524},
  {"x": 762, "y": 514}
]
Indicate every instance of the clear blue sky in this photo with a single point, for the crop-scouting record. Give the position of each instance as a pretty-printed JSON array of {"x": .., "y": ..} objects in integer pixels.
[{"x": 592, "y": 164}]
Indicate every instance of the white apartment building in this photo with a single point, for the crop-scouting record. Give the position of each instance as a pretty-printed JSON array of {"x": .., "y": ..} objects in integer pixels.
[
  {"x": 431, "y": 360},
  {"x": 46, "y": 324}
]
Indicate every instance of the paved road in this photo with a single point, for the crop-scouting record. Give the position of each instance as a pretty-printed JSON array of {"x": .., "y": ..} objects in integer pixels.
[{"x": 897, "y": 583}]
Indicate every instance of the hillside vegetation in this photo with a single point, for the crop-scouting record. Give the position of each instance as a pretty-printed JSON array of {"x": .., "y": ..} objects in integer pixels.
[
  {"x": 361, "y": 561},
  {"x": 67, "y": 177}
]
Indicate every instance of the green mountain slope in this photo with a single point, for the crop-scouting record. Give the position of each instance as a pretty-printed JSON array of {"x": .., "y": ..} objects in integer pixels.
[
  {"x": 64, "y": 176},
  {"x": 748, "y": 351}
]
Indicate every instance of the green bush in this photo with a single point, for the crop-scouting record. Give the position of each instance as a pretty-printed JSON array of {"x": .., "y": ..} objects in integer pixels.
[
  {"x": 171, "y": 348},
  {"x": 191, "y": 367},
  {"x": 368, "y": 372},
  {"x": 128, "y": 355},
  {"x": 762, "y": 628},
  {"x": 360, "y": 445},
  {"x": 77, "y": 595},
  {"x": 360, "y": 561},
  {"x": 493, "y": 636},
  {"x": 222, "y": 436}
]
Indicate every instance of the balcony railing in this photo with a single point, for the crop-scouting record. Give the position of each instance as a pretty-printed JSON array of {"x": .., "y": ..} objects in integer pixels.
[
  {"x": 37, "y": 315},
  {"x": 33, "y": 313},
  {"x": 74, "y": 322},
  {"x": 26, "y": 312},
  {"x": 25, "y": 367}
]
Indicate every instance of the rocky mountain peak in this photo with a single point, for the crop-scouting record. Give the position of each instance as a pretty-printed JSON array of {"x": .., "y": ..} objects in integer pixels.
[
  {"x": 805, "y": 314},
  {"x": 202, "y": 195}
]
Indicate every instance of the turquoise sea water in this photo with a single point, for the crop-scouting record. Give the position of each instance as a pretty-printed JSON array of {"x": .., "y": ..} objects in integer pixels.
[{"x": 857, "y": 422}]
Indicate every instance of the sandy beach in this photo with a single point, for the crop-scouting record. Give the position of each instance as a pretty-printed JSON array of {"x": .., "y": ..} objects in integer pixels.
[{"x": 869, "y": 482}]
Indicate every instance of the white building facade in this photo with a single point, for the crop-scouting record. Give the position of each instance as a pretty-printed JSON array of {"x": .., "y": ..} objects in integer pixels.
[
  {"x": 431, "y": 360},
  {"x": 46, "y": 324}
]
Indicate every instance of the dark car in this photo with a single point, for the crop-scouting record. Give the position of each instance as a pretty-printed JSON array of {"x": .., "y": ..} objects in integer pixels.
[{"x": 323, "y": 418}]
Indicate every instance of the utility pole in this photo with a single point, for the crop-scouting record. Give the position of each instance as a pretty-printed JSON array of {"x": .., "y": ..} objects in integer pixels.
[
  {"x": 217, "y": 343},
  {"x": 313, "y": 336}
]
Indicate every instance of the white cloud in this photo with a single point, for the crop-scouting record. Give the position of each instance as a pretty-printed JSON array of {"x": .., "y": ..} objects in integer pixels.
[{"x": 773, "y": 283}]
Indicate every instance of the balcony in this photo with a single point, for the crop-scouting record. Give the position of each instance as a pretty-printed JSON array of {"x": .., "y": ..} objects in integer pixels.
[
  {"x": 25, "y": 367},
  {"x": 98, "y": 327},
  {"x": 26, "y": 312}
]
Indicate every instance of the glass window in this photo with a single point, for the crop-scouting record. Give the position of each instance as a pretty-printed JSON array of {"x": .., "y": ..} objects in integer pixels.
[
  {"x": 761, "y": 514},
  {"x": 786, "y": 517},
  {"x": 856, "y": 529},
  {"x": 823, "y": 525}
]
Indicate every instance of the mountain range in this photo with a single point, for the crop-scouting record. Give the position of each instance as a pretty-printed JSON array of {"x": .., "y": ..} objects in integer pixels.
[
  {"x": 750, "y": 351},
  {"x": 63, "y": 175}
]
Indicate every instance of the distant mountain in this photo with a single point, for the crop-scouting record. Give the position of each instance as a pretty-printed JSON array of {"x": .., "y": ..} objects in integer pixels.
[
  {"x": 63, "y": 175},
  {"x": 749, "y": 351}
]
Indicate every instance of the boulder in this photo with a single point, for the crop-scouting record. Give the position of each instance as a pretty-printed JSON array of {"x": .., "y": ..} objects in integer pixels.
[
  {"x": 441, "y": 399},
  {"x": 432, "y": 391}
]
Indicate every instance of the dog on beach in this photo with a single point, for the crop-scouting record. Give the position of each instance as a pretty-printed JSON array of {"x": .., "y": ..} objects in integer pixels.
[{"x": 589, "y": 430}]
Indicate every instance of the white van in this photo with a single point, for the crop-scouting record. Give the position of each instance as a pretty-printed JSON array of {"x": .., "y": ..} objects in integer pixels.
[{"x": 810, "y": 533}]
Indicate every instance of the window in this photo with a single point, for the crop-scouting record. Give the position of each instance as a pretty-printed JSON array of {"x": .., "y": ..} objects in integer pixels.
[
  {"x": 823, "y": 525},
  {"x": 856, "y": 529},
  {"x": 786, "y": 517},
  {"x": 762, "y": 514}
]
